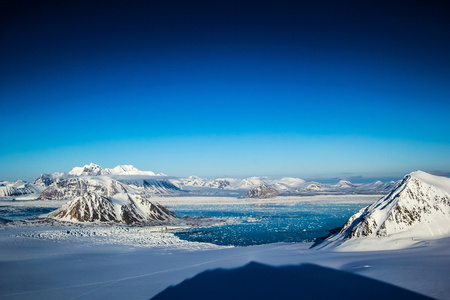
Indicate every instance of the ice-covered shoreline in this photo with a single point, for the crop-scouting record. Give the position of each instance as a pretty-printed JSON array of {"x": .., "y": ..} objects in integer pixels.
[
  {"x": 160, "y": 237},
  {"x": 282, "y": 200}
]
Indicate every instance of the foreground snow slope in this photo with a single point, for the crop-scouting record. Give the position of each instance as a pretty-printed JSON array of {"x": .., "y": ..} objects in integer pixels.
[
  {"x": 75, "y": 268},
  {"x": 417, "y": 208}
]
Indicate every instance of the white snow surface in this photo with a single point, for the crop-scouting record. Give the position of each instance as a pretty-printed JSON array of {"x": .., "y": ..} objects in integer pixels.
[
  {"x": 44, "y": 260},
  {"x": 87, "y": 170},
  {"x": 130, "y": 170},
  {"x": 95, "y": 170}
]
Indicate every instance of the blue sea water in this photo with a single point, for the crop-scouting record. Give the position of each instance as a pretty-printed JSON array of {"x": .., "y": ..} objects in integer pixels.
[
  {"x": 255, "y": 225},
  {"x": 247, "y": 224},
  {"x": 22, "y": 212}
]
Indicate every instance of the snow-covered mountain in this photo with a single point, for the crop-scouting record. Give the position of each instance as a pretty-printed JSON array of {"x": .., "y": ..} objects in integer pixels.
[
  {"x": 88, "y": 170},
  {"x": 44, "y": 180},
  {"x": 58, "y": 185},
  {"x": 345, "y": 187},
  {"x": 220, "y": 183},
  {"x": 108, "y": 195},
  {"x": 120, "y": 208},
  {"x": 251, "y": 182},
  {"x": 18, "y": 188},
  {"x": 130, "y": 170},
  {"x": 71, "y": 188},
  {"x": 151, "y": 186},
  {"x": 193, "y": 181},
  {"x": 344, "y": 184},
  {"x": 95, "y": 170},
  {"x": 312, "y": 187},
  {"x": 261, "y": 191},
  {"x": 287, "y": 186},
  {"x": 288, "y": 183},
  {"x": 418, "y": 206}
]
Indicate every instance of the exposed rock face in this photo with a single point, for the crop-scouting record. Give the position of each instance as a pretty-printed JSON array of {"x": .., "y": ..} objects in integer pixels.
[
  {"x": 75, "y": 187},
  {"x": 219, "y": 183},
  {"x": 420, "y": 202},
  {"x": 17, "y": 188},
  {"x": 104, "y": 199},
  {"x": 122, "y": 208},
  {"x": 150, "y": 186},
  {"x": 261, "y": 192},
  {"x": 44, "y": 180}
]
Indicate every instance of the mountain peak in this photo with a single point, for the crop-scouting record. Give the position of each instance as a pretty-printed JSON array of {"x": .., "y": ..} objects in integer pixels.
[
  {"x": 261, "y": 191},
  {"x": 95, "y": 170},
  {"x": 435, "y": 180},
  {"x": 121, "y": 208},
  {"x": 128, "y": 170},
  {"x": 417, "y": 207},
  {"x": 344, "y": 183},
  {"x": 87, "y": 170}
]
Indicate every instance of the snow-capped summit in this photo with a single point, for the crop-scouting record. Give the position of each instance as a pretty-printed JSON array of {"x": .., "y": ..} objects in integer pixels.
[
  {"x": 95, "y": 170},
  {"x": 192, "y": 181},
  {"x": 251, "y": 182},
  {"x": 88, "y": 170},
  {"x": 44, "y": 180},
  {"x": 220, "y": 183},
  {"x": 17, "y": 188},
  {"x": 288, "y": 183},
  {"x": 417, "y": 207},
  {"x": 313, "y": 187},
  {"x": 130, "y": 170},
  {"x": 344, "y": 184}
]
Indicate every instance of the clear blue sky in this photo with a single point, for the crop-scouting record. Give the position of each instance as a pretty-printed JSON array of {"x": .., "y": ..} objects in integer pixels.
[{"x": 215, "y": 88}]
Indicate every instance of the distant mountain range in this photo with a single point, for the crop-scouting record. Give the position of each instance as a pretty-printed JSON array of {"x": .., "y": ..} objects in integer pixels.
[
  {"x": 62, "y": 185},
  {"x": 418, "y": 205}
]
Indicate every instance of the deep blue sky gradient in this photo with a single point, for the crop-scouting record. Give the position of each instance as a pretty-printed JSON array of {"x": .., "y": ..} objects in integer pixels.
[{"x": 214, "y": 88}]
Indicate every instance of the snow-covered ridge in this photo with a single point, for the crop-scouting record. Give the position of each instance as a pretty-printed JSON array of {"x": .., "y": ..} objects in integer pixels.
[
  {"x": 120, "y": 208},
  {"x": 150, "y": 183},
  {"x": 87, "y": 170},
  {"x": 17, "y": 188},
  {"x": 70, "y": 188},
  {"x": 287, "y": 186},
  {"x": 417, "y": 207},
  {"x": 95, "y": 170}
]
